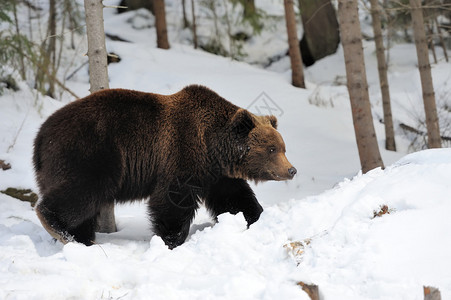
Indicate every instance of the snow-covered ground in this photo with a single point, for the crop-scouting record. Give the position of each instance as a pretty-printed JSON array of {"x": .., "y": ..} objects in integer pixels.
[
  {"x": 328, "y": 208},
  {"x": 351, "y": 255}
]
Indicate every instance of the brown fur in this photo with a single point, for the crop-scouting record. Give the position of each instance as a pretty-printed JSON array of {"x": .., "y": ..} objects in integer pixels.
[{"x": 121, "y": 145}]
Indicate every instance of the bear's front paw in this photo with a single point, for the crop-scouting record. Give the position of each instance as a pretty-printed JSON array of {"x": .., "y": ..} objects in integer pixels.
[{"x": 252, "y": 217}]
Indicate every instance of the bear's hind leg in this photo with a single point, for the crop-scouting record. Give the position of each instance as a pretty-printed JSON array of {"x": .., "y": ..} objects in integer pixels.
[
  {"x": 233, "y": 195},
  {"x": 52, "y": 224},
  {"x": 69, "y": 218},
  {"x": 85, "y": 232}
]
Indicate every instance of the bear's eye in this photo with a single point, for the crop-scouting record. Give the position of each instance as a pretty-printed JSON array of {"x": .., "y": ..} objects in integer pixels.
[{"x": 272, "y": 149}]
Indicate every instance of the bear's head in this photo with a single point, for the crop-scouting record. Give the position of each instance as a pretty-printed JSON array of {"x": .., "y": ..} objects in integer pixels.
[{"x": 260, "y": 148}]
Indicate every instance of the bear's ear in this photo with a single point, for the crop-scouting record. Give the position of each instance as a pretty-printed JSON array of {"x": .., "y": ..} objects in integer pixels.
[
  {"x": 273, "y": 120},
  {"x": 242, "y": 123}
]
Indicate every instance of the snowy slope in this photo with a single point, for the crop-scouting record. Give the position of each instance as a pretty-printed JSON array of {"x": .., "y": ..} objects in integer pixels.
[{"x": 349, "y": 255}]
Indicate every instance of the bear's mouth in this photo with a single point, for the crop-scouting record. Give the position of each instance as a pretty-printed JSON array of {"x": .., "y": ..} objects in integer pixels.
[{"x": 278, "y": 177}]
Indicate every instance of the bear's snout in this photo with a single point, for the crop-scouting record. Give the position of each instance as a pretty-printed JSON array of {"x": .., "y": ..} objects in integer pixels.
[{"x": 281, "y": 168}]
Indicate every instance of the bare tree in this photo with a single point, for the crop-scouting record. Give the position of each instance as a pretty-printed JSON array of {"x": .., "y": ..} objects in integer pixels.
[
  {"x": 98, "y": 80},
  {"x": 383, "y": 79},
  {"x": 98, "y": 66},
  {"x": 297, "y": 71},
  {"x": 51, "y": 47},
  {"x": 185, "y": 19},
  {"x": 160, "y": 24},
  {"x": 22, "y": 69},
  {"x": 249, "y": 8},
  {"x": 193, "y": 26},
  {"x": 440, "y": 35},
  {"x": 351, "y": 38},
  {"x": 47, "y": 56},
  {"x": 433, "y": 130}
]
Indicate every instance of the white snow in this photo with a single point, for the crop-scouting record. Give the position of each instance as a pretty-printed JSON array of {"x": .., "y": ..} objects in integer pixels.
[{"x": 329, "y": 206}]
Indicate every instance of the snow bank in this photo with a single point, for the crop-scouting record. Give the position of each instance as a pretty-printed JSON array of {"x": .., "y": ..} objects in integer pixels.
[{"x": 351, "y": 254}]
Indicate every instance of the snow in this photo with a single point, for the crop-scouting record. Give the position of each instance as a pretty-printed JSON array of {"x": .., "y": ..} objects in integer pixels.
[{"x": 328, "y": 207}]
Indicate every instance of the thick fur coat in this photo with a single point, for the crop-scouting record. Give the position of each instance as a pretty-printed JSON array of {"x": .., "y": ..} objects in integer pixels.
[{"x": 176, "y": 151}]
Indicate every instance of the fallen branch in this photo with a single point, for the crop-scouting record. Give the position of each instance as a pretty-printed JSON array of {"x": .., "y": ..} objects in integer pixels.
[
  {"x": 22, "y": 194},
  {"x": 420, "y": 132},
  {"x": 76, "y": 70},
  {"x": 116, "y": 38}
]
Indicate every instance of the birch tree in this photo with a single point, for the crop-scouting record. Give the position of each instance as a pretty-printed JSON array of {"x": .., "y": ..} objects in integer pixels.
[
  {"x": 98, "y": 80},
  {"x": 433, "y": 130},
  {"x": 351, "y": 38},
  {"x": 297, "y": 72}
]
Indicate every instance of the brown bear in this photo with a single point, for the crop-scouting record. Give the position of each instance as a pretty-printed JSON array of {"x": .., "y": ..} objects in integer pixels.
[{"x": 176, "y": 151}]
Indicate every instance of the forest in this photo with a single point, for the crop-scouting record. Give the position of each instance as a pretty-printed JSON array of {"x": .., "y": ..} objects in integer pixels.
[{"x": 361, "y": 90}]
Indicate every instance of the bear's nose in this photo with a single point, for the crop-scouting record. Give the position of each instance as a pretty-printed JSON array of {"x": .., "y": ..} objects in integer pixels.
[{"x": 292, "y": 171}]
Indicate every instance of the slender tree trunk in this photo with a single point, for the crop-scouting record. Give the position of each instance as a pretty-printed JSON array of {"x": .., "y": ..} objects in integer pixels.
[
  {"x": 185, "y": 19},
  {"x": 434, "y": 140},
  {"x": 160, "y": 24},
  {"x": 351, "y": 38},
  {"x": 51, "y": 47},
  {"x": 71, "y": 26},
  {"x": 21, "y": 60},
  {"x": 297, "y": 71},
  {"x": 431, "y": 41},
  {"x": 249, "y": 8},
  {"x": 442, "y": 42},
  {"x": 193, "y": 28},
  {"x": 98, "y": 80},
  {"x": 383, "y": 79},
  {"x": 232, "y": 45}
]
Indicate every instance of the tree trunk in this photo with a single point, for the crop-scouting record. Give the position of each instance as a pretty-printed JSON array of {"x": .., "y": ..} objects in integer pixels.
[
  {"x": 193, "y": 28},
  {"x": 98, "y": 71},
  {"x": 431, "y": 41},
  {"x": 321, "y": 35},
  {"x": 440, "y": 35},
  {"x": 249, "y": 8},
  {"x": 383, "y": 79},
  {"x": 160, "y": 24},
  {"x": 297, "y": 72},
  {"x": 351, "y": 38},
  {"x": 185, "y": 19},
  {"x": 98, "y": 80},
  {"x": 50, "y": 49},
  {"x": 22, "y": 71},
  {"x": 427, "y": 86}
]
